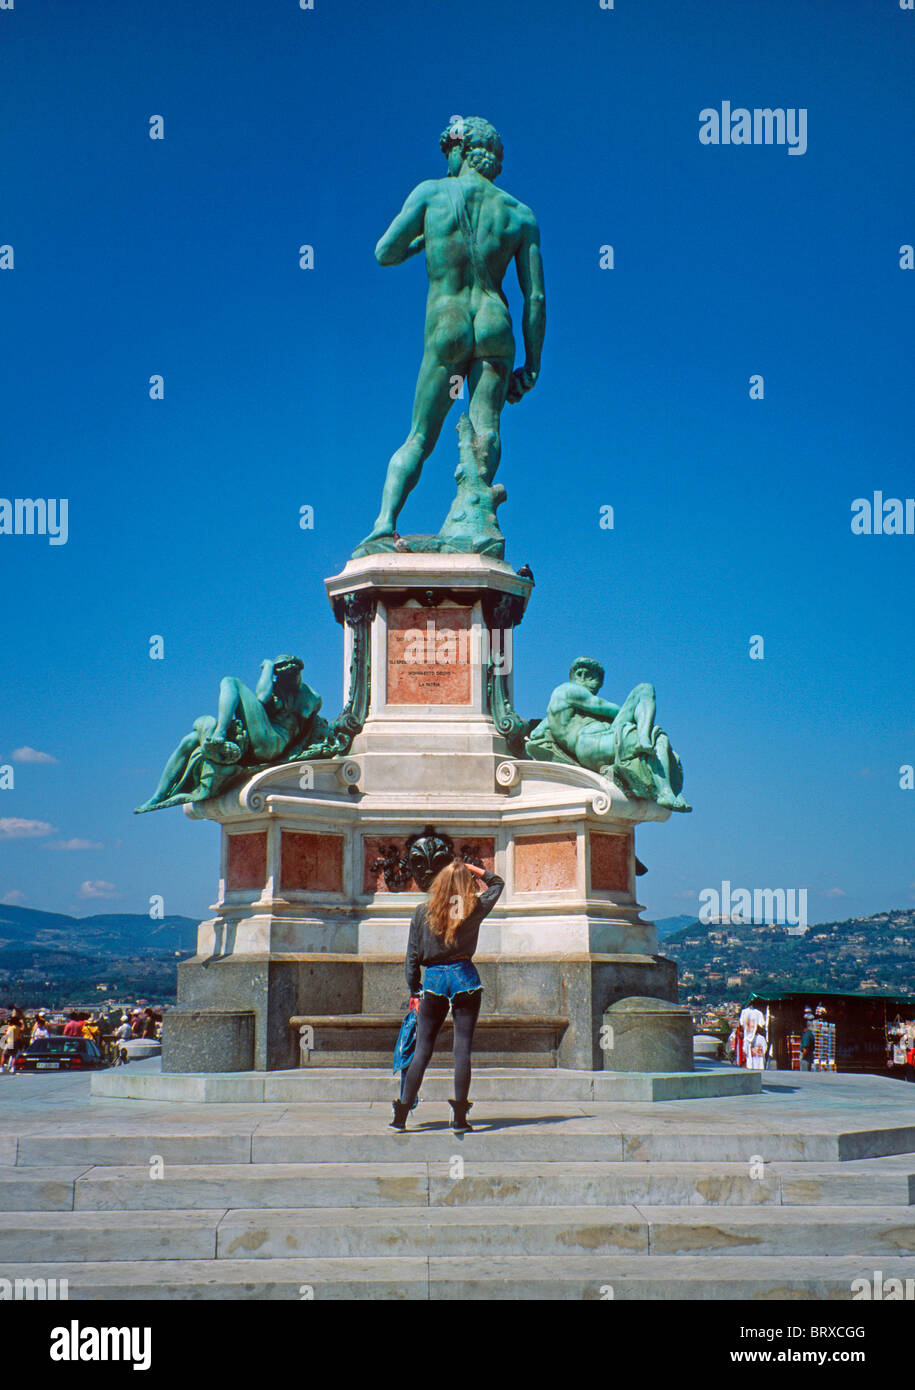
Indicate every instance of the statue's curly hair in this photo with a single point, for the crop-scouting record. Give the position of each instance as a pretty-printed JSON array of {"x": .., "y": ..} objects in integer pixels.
[
  {"x": 587, "y": 663},
  {"x": 479, "y": 144}
]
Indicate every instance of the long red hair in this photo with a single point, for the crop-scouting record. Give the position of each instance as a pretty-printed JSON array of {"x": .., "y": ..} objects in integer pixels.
[{"x": 452, "y": 898}]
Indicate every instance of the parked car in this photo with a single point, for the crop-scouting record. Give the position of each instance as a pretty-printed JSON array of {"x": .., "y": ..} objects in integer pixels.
[{"x": 61, "y": 1054}]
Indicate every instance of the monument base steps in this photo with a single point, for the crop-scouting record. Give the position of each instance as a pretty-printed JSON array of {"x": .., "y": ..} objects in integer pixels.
[{"x": 795, "y": 1192}]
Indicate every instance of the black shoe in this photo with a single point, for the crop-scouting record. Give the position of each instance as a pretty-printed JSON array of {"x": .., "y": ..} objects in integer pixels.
[
  {"x": 459, "y": 1121},
  {"x": 401, "y": 1112}
]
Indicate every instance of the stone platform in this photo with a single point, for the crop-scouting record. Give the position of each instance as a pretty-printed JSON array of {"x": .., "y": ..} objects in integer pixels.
[
  {"x": 793, "y": 1192},
  {"x": 329, "y": 1084}
]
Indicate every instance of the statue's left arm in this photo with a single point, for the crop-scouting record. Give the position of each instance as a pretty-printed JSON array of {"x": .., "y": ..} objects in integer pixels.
[
  {"x": 309, "y": 702},
  {"x": 404, "y": 237},
  {"x": 587, "y": 703}
]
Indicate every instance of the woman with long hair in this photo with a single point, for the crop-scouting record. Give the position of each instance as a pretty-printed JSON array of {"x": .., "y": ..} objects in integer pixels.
[{"x": 443, "y": 938}]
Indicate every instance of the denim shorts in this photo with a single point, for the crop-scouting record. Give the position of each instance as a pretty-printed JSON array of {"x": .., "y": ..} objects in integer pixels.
[{"x": 458, "y": 977}]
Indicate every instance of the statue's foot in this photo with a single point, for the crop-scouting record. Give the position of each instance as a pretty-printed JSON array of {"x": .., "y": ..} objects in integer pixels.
[
  {"x": 673, "y": 803},
  {"x": 382, "y": 530},
  {"x": 220, "y": 750},
  {"x": 178, "y": 799}
]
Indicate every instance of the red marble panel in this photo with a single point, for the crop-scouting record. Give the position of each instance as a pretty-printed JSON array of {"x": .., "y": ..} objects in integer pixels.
[
  {"x": 310, "y": 861},
  {"x": 429, "y": 656},
  {"x": 373, "y": 882},
  {"x": 544, "y": 863},
  {"x": 246, "y": 861},
  {"x": 610, "y": 856}
]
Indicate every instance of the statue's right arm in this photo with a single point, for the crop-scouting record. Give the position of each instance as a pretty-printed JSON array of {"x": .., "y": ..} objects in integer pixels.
[
  {"x": 399, "y": 240},
  {"x": 530, "y": 278}
]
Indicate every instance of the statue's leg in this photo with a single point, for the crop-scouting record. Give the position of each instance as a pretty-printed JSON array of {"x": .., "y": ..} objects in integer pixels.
[
  {"x": 673, "y": 768},
  {"x": 431, "y": 404},
  {"x": 639, "y": 708},
  {"x": 488, "y": 382},
  {"x": 174, "y": 769},
  {"x": 175, "y": 776},
  {"x": 230, "y": 689},
  {"x": 267, "y": 743}
]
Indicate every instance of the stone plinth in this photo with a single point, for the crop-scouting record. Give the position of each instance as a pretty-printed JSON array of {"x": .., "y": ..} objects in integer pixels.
[
  {"x": 218, "y": 1040},
  {"x": 309, "y": 917},
  {"x": 647, "y": 1034}
]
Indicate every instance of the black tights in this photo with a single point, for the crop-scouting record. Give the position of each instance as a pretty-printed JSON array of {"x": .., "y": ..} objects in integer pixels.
[{"x": 433, "y": 1010}]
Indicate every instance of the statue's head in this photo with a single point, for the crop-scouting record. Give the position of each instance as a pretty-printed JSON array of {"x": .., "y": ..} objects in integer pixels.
[
  {"x": 288, "y": 669},
  {"x": 588, "y": 672},
  {"x": 476, "y": 142}
]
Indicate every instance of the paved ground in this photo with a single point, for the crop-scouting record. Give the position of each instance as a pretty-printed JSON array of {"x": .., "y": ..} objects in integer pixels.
[{"x": 800, "y": 1099}]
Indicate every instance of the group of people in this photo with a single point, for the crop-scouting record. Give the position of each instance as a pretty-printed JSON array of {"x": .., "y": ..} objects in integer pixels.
[
  {"x": 132, "y": 1026},
  {"x": 19, "y": 1031}
]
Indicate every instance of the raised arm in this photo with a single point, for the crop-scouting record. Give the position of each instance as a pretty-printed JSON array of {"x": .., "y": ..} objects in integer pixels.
[
  {"x": 264, "y": 687},
  {"x": 404, "y": 237}
]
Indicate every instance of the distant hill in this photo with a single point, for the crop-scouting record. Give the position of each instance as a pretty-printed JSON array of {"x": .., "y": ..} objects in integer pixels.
[
  {"x": 52, "y": 959},
  {"x": 668, "y": 925},
  {"x": 861, "y": 955}
]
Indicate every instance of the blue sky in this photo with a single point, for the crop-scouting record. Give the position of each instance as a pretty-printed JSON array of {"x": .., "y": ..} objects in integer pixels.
[{"x": 285, "y": 387}]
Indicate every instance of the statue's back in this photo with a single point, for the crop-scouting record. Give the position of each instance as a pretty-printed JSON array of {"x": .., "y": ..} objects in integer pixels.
[{"x": 465, "y": 211}]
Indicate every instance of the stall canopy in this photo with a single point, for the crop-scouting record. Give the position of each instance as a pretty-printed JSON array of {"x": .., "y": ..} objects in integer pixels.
[{"x": 863, "y": 1023}]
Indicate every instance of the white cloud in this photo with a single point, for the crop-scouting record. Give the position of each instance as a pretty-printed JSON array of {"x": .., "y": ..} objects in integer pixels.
[
  {"x": 15, "y": 895},
  {"x": 31, "y": 755},
  {"x": 835, "y": 893},
  {"x": 73, "y": 844},
  {"x": 98, "y": 888},
  {"x": 14, "y": 828}
]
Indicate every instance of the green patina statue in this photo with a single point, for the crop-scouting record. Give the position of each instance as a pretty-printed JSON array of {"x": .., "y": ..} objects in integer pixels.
[
  {"x": 252, "y": 728},
  {"x": 622, "y": 740},
  {"x": 470, "y": 231}
]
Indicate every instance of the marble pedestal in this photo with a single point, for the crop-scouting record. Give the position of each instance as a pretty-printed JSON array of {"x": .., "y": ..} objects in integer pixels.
[{"x": 308, "y": 925}]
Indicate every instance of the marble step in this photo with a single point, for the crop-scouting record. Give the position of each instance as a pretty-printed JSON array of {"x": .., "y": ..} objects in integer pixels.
[
  {"x": 364, "y": 1136},
  {"x": 39, "y": 1189},
  {"x": 33, "y": 1236},
  {"x": 455, "y": 1278},
  {"x": 456, "y": 1182},
  {"x": 565, "y": 1231},
  {"x": 369, "y": 1233},
  {"x": 136, "y": 1147}
]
